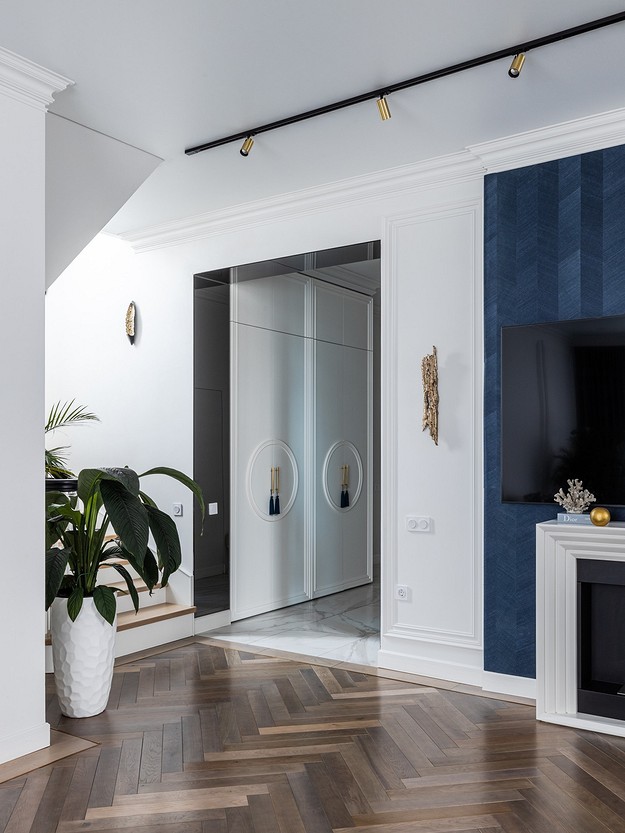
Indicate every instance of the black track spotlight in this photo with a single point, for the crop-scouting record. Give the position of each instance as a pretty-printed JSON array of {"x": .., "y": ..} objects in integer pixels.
[
  {"x": 384, "y": 109},
  {"x": 519, "y": 50},
  {"x": 517, "y": 65},
  {"x": 247, "y": 146}
]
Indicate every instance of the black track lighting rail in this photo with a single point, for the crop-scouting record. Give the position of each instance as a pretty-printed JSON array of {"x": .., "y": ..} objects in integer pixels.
[{"x": 489, "y": 58}]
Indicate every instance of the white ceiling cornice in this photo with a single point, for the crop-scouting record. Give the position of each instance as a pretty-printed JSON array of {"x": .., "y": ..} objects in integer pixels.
[
  {"x": 554, "y": 142},
  {"x": 27, "y": 82},
  {"x": 456, "y": 167},
  {"x": 528, "y": 148}
]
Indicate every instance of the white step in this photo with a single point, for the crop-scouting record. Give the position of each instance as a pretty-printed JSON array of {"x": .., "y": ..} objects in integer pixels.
[
  {"x": 152, "y": 626},
  {"x": 124, "y": 602}
]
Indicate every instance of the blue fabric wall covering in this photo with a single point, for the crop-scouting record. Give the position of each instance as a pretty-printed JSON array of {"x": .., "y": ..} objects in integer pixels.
[{"x": 554, "y": 250}]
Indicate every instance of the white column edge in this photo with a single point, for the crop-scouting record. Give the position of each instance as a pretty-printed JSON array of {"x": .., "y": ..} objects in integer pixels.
[{"x": 28, "y": 82}]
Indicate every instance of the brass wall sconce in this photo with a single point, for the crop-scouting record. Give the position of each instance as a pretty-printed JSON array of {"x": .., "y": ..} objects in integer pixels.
[{"x": 429, "y": 374}]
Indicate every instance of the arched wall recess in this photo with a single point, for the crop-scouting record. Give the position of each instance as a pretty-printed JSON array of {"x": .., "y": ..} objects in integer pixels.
[
  {"x": 342, "y": 453},
  {"x": 272, "y": 454}
]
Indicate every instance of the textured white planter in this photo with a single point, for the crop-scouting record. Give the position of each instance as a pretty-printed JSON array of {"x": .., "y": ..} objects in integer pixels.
[{"x": 83, "y": 655}]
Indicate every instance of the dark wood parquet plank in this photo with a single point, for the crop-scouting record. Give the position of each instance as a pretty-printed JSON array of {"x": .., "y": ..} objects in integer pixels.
[
  {"x": 27, "y": 804},
  {"x": 206, "y": 738},
  {"x": 329, "y": 798},
  {"x": 105, "y": 777},
  {"x": 347, "y": 786},
  {"x": 75, "y": 805},
  {"x": 285, "y": 809},
  {"x": 192, "y": 748},
  {"x": 49, "y": 810},
  {"x": 172, "y": 747},
  {"x": 310, "y": 808},
  {"x": 129, "y": 764},
  {"x": 151, "y": 758}
]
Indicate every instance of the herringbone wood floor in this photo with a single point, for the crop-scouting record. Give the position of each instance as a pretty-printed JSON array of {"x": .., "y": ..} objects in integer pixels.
[{"x": 204, "y": 739}]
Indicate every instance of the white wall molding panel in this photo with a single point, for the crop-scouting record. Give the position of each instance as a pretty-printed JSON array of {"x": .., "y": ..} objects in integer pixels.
[
  {"x": 28, "y": 82},
  {"x": 437, "y": 629}
]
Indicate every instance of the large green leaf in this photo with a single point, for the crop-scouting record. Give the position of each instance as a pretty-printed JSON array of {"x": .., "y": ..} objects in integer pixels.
[
  {"x": 129, "y": 584},
  {"x": 105, "y": 602},
  {"x": 181, "y": 478},
  {"x": 74, "y": 603},
  {"x": 56, "y": 563},
  {"x": 128, "y": 477},
  {"x": 88, "y": 480},
  {"x": 167, "y": 541},
  {"x": 147, "y": 567},
  {"x": 127, "y": 515}
]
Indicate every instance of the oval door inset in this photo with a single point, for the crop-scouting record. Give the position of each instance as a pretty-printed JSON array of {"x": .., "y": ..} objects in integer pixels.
[
  {"x": 274, "y": 454},
  {"x": 335, "y": 477}
]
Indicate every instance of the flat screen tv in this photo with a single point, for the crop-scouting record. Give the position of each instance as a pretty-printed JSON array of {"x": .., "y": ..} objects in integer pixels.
[{"x": 563, "y": 409}]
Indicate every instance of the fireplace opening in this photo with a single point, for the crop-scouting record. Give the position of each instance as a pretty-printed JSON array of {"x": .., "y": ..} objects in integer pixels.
[{"x": 601, "y": 638}]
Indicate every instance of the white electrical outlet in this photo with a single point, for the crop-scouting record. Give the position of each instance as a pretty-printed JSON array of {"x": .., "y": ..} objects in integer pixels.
[
  {"x": 401, "y": 592},
  {"x": 418, "y": 523},
  {"x": 213, "y": 509},
  {"x": 177, "y": 510}
]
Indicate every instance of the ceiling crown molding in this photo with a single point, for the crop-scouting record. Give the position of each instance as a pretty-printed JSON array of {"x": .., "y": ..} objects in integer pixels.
[
  {"x": 28, "y": 82},
  {"x": 456, "y": 167},
  {"x": 554, "y": 142}
]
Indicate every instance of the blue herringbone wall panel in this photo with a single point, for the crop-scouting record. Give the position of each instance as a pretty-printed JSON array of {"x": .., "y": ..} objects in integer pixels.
[{"x": 554, "y": 249}]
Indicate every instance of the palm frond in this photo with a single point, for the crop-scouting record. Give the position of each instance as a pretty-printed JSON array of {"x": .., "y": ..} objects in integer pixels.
[
  {"x": 56, "y": 463},
  {"x": 63, "y": 414}
]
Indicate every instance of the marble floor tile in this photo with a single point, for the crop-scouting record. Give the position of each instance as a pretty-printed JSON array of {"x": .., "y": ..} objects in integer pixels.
[{"x": 344, "y": 627}]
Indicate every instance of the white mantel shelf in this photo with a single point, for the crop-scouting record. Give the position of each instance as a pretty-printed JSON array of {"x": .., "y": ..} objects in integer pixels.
[{"x": 558, "y": 546}]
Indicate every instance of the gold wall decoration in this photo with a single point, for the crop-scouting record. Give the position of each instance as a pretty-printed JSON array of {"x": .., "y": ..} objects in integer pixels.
[
  {"x": 429, "y": 374},
  {"x": 130, "y": 322}
]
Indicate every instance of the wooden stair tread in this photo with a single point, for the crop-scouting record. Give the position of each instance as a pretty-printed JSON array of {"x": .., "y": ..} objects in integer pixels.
[
  {"x": 146, "y": 616},
  {"x": 152, "y": 613}
]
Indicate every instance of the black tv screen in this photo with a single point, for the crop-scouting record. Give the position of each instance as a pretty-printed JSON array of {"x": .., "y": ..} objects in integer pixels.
[{"x": 563, "y": 409}]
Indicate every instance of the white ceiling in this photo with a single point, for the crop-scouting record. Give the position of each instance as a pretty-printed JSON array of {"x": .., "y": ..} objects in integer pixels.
[{"x": 166, "y": 74}]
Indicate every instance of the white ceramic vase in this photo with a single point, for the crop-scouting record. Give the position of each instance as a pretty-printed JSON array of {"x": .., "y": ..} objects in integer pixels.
[{"x": 83, "y": 655}]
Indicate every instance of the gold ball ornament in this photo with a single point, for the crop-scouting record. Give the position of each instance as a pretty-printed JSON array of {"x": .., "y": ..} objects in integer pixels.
[{"x": 600, "y": 516}]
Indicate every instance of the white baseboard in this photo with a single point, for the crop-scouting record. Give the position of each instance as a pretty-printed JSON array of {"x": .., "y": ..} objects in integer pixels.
[
  {"x": 23, "y": 743},
  {"x": 426, "y": 667},
  {"x": 507, "y": 684},
  {"x": 212, "y": 621}
]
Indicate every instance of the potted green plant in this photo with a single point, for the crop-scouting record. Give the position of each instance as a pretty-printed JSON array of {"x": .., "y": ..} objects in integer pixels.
[{"x": 78, "y": 544}]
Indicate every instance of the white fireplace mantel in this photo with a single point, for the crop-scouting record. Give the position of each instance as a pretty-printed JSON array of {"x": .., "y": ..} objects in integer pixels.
[{"x": 558, "y": 547}]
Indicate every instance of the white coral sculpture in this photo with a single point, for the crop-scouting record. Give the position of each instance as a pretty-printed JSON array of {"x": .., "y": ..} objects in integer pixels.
[{"x": 577, "y": 499}]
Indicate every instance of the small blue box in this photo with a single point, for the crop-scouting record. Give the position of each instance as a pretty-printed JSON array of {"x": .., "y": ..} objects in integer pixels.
[{"x": 574, "y": 518}]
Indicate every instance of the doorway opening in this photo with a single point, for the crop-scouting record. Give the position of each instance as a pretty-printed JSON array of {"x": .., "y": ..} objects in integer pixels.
[{"x": 335, "y": 274}]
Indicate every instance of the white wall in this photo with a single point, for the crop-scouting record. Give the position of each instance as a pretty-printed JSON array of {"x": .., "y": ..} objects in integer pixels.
[
  {"x": 23, "y": 727},
  {"x": 431, "y": 239},
  {"x": 142, "y": 393},
  {"x": 89, "y": 176}
]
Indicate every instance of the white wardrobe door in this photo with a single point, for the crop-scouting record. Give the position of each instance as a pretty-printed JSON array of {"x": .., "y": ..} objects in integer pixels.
[
  {"x": 268, "y": 550},
  {"x": 342, "y": 438}
]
